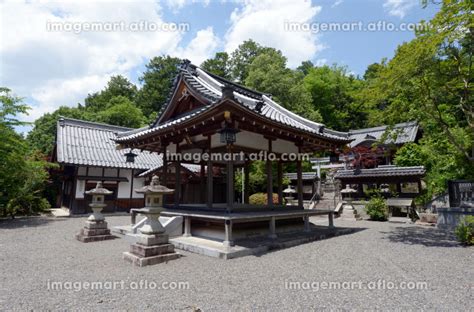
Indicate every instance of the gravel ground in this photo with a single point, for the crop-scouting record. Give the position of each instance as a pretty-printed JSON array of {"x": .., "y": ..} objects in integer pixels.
[{"x": 38, "y": 251}]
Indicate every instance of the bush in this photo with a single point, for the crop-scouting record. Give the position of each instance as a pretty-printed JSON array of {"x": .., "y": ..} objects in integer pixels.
[
  {"x": 465, "y": 230},
  {"x": 261, "y": 199},
  {"x": 377, "y": 209}
]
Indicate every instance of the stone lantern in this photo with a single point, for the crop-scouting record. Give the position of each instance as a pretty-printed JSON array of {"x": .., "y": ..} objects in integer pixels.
[
  {"x": 289, "y": 191},
  {"x": 96, "y": 227},
  {"x": 152, "y": 244},
  {"x": 153, "y": 206}
]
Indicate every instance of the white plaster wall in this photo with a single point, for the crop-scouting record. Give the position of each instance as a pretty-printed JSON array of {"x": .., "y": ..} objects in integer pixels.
[
  {"x": 80, "y": 188},
  {"x": 124, "y": 187},
  {"x": 259, "y": 142}
]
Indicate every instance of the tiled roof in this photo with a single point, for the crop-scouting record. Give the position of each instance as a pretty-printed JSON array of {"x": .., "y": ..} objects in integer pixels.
[
  {"x": 209, "y": 86},
  {"x": 305, "y": 176},
  {"x": 381, "y": 171},
  {"x": 398, "y": 134},
  {"x": 88, "y": 143}
]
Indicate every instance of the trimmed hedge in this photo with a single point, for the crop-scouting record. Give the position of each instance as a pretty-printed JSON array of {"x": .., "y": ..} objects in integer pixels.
[{"x": 261, "y": 199}]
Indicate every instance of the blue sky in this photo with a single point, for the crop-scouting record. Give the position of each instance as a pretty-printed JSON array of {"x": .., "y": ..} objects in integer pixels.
[{"x": 53, "y": 68}]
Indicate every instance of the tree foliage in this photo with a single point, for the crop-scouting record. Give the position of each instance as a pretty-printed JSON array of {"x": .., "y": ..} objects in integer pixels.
[
  {"x": 218, "y": 65},
  {"x": 23, "y": 173},
  {"x": 157, "y": 81}
]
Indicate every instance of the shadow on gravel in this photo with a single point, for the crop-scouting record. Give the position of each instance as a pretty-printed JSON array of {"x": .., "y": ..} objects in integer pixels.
[
  {"x": 289, "y": 240},
  {"x": 429, "y": 237},
  {"x": 27, "y": 222}
]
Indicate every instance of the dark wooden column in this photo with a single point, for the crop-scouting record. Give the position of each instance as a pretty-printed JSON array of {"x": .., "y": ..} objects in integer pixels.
[
  {"x": 280, "y": 182},
  {"x": 202, "y": 182},
  {"x": 210, "y": 195},
  {"x": 246, "y": 182},
  {"x": 177, "y": 189},
  {"x": 299, "y": 174},
  {"x": 269, "y": 178},
  {"x": 165, "y": 172},
  {"x": 230, "y": 180}
]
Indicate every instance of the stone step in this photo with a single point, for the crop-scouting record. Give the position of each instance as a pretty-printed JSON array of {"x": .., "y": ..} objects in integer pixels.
[
  {"x": 148, "y": 251},
  {"x": 144, "y": 261}
]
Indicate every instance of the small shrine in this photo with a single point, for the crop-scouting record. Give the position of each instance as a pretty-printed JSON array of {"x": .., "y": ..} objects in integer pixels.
[
  {"x": 152, "y": 246},
  {"x": 96, "y": 228}
]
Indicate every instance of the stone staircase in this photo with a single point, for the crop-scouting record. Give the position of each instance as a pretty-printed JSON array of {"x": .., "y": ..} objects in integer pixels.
[{"x": 348, "y": 213}]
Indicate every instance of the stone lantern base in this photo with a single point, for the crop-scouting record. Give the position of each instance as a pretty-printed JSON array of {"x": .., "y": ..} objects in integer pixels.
[
  {"x": 94, "y": 231},
  {"x": 150, "y": 249}
]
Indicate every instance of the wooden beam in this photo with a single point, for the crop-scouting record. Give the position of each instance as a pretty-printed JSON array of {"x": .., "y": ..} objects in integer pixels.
[
  {"x": 269, "y": 177},
  {"x": 280, "y": 182},
  {"x": 177, "y": 190},
  {"x": 165, "y": 172},
  {"x": 299, "y": 174},
  {"x": 246, "y": 182},
  {"x": 230, "y": 181},
  {"x": 210, "y": 195}
]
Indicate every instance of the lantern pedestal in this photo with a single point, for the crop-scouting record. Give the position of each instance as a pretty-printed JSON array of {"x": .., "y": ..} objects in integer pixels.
[
  {"x": 94, "y": 231},
  {"x": 96, "y": 228},
  {"x": 152, "y": 246}
]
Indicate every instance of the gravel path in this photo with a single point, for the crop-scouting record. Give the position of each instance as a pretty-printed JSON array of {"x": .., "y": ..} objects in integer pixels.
[{"x": 38, "y": 251}]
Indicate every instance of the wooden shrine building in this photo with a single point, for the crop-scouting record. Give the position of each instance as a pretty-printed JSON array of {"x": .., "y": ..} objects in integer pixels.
[{"x": 220, "y": 124}]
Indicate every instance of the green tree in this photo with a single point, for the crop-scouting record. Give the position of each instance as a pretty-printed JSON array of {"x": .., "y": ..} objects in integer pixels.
[
  {"x": 218, "y": 65},
  {"x": 157, "y": 81},
  {"x": 430, "y": 80},
  {"x": 42, "y": 136},
  {"x": 122, "y": 112},
  {"x": 23, "y": 173},
  {"x": 242, "y": 57},
  {"x": 268, "y": 74},
  {"x": 117, "y": 86},
  {"x": 333, "y": 92}
]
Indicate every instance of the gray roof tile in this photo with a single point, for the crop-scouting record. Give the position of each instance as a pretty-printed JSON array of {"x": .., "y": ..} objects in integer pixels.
[
  {"x": 397, "y": 134},
  {"x": 381, "y": 171},
  {"x": 88, "y": 143},
  {"x": 210, "y": 86}
]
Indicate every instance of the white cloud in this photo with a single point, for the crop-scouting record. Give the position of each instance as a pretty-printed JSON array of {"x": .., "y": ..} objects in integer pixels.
[
  {"x": 177, "y": 5},
  {"x": 264, "y": 20},
  {"x": 60, "y": 68},
  {"x": 199, "y": 49},
  {"x": 336, "y": 3},
  {"x": 399, "y": 7}
]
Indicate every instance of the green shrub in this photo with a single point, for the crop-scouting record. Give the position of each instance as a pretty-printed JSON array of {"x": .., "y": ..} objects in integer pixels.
[
  {"x": 465, "y": 230},
  {"x": 377, "y": 209},
  {"x": 261, "y": 199}
]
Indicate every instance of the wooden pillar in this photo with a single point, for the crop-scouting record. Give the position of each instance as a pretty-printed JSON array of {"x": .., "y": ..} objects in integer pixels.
[
  {"x": 230, "y": 180},
  {"x": 177, "y": 189},
  {"x": 299, "y": 174},
  {"x": 165, "y": 173},
  {"x": 280, "y": 182},
  {"x": 269, "y": 178},
  {"x": 272, "y": 228},
  {"x": 246, "y": 182},
  {"x": 210, "y": 196},
  {"x": 131, "y": 188},
  {"x": 203, "y": 181}
]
